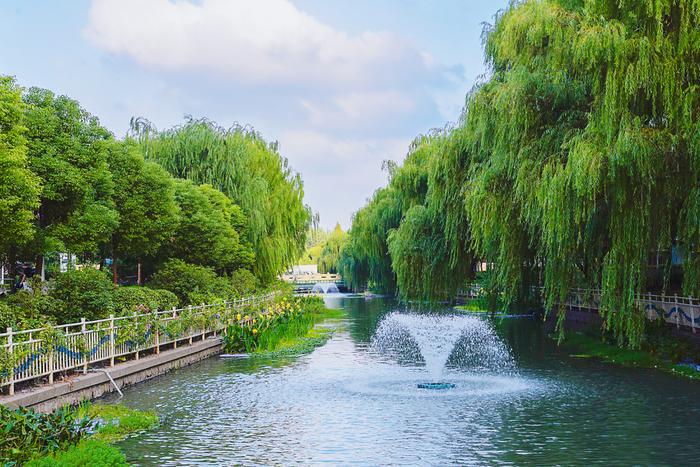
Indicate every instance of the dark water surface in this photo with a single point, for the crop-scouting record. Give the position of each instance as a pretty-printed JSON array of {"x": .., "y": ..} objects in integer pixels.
[{"x": 344, "y": 404}]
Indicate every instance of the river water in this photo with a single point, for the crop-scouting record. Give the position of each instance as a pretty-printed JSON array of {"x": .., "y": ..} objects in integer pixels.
[{"x": 347, "y": 404}]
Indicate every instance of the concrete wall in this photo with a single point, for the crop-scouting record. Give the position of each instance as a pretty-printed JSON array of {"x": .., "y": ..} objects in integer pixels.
[{"x": 92, "y": 385}]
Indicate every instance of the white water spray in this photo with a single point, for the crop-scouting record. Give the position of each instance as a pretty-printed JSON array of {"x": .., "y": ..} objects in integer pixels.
[{"x": 435, "y": 337}]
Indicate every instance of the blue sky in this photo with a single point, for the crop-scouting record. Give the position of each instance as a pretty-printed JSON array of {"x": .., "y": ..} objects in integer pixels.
[{"x": 342, "y": 85}]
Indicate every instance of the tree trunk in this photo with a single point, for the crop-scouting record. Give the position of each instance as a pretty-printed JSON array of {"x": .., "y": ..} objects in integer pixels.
[
  {"x": 115, "y": 273},
  {"x": 138, "y": 273},
  {"x": 39, "y": 267}
]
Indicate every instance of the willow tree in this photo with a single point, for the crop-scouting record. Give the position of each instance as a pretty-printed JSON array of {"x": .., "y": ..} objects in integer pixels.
[
  {"x": 19, "y": 187},
  {"x": 365, "y": 259},
  {"x": 248, "y": 170},
  {"x": 428, "y": 266},
  {"x": 329, "y": 257},
  {"x": 585, "y": 148}
]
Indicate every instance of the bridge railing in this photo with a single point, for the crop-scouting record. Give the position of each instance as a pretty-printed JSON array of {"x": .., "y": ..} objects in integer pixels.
[
  {"x": 312, "y": 278},
  {"x": 31, "y": 354}
]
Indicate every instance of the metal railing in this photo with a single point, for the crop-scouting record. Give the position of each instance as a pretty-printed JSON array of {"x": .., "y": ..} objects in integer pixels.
[
  {"x": 674, "y": 309},
  {"x": 40, "y": 353}
]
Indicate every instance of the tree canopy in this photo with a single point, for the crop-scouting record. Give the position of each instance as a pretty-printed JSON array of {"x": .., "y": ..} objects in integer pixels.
[
  {"x": 248, "y": 170},
  {"x": 67, "y": 150},
  {"x": 574, "y": 163},
  {"x": 19, "y": 187}
]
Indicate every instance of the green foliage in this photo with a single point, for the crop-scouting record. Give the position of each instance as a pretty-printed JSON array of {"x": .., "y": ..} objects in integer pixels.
[
  {"x": 209, "y": 230},
  {"x": 88, "y": 453},
  {"x": 19, "y": 187},
  {"x": 329, "y": 257},
  {"x": 573, "y": 164},
  {"x": 86, "y": 293},
  {"x": 365, "y": 260},
  {"x": 128, "y": 300},
  {"x": 265, "y": 328},
  {"x": 192, "y": 284},
  {"x": 117, "y": 421},
  {"x": 144, "y": 197},
  {"x": 67, "y": 151},
  {"x": 250, "y": 172},
  {"x": 25, "y": 434},
  {"x": 244, "y": 282}
]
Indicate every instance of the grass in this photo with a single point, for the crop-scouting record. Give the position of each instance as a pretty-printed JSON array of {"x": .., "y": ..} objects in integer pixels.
[
  {"x": 87, "y": 453},
  {"x": 588, "y": 346},
  {"x": 300, "y": 336},
  {"x": 119, "y": 422}
]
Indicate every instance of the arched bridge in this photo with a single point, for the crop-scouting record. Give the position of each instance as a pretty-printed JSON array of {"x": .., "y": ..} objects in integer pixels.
[{"x": 303, "y": 283}]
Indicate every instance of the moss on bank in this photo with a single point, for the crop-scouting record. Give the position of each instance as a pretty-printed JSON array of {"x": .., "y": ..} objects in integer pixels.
[{"x": 583, "y": 345}]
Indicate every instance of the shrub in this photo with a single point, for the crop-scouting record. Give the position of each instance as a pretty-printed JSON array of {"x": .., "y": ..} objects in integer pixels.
[
  {"x": 85, "y": 293},
  {"x": 192, "y": 284},
  {"x": 89, "y": 453},
  {"x": 18, "y": 317},
  {"x": 143, "y": 299},
  {"x": 32, "y": 307},
  {"x": 25, "y": 434},
  {"x": 244, "y": 282}
]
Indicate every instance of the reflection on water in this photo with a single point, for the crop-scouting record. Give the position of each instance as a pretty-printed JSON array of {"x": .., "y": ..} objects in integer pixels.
[{"x": 347, "y": 404}]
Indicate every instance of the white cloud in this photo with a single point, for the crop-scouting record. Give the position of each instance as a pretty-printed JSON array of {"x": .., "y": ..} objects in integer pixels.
[
  {"x": 358, "y": 107},
  {"x": 338, "y": 103},
  {"x": 259, "y": 42},
  {"x": 345, "y": 172}
]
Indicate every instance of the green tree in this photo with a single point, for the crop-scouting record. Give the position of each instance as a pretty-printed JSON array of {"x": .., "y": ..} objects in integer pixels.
[
  {"x": 209, "y": 229},
  {"x": 144, "y": 197},
  {"x": 329, "y": 258},
  {"x": 248, "y": 170},
  {"x": 19, "y": 187},
  {"x": 67, "y": 149}
]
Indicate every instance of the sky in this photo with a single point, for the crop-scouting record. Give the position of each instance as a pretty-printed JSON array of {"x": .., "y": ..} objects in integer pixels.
[{"x": 341, "y": 85}]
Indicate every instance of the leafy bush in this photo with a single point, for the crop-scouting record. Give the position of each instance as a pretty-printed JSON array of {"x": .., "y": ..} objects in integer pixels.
[
  {"x": 192, "y": 284},
  {"x": 85, "y": 293},
  {"x": 25, "y": 434},
  {"x": 89, "y": 453},
  {"x": 30, "y": 308},
  {"x": 244, "y": 282},
  {"x": 17, "y": 317},
  {"x": 143, "y": 299}
]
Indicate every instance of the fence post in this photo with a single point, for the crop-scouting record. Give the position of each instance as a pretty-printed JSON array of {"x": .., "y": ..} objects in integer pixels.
[
  {"x": 112, "y": 338},
  {"x": 678, "y": 313},
  {"x": 204, "y": 328},
  {"x": 51, "y": 354},
  {"x": 191, "y": 330},
  {"x": 136, "y": 319},
  {"x": 175, "y": 339},
  {"x": 11, "y": 371},
  {"x": 157, "y": 335},
  {"x": 83, "y": 333},
  {"x": 692, "y": 314}
]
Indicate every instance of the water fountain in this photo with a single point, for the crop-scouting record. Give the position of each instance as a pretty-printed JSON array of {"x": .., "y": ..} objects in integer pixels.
[
  {"x": 325, "y": 288},
  {"x": 470, "y": 340}
]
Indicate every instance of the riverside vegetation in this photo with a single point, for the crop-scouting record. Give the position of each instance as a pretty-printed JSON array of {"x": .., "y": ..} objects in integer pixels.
[
  {"x": 576, "y": 163},
  {"x": 70, "y": 436},
  {"x": 126, "y": 207}
]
